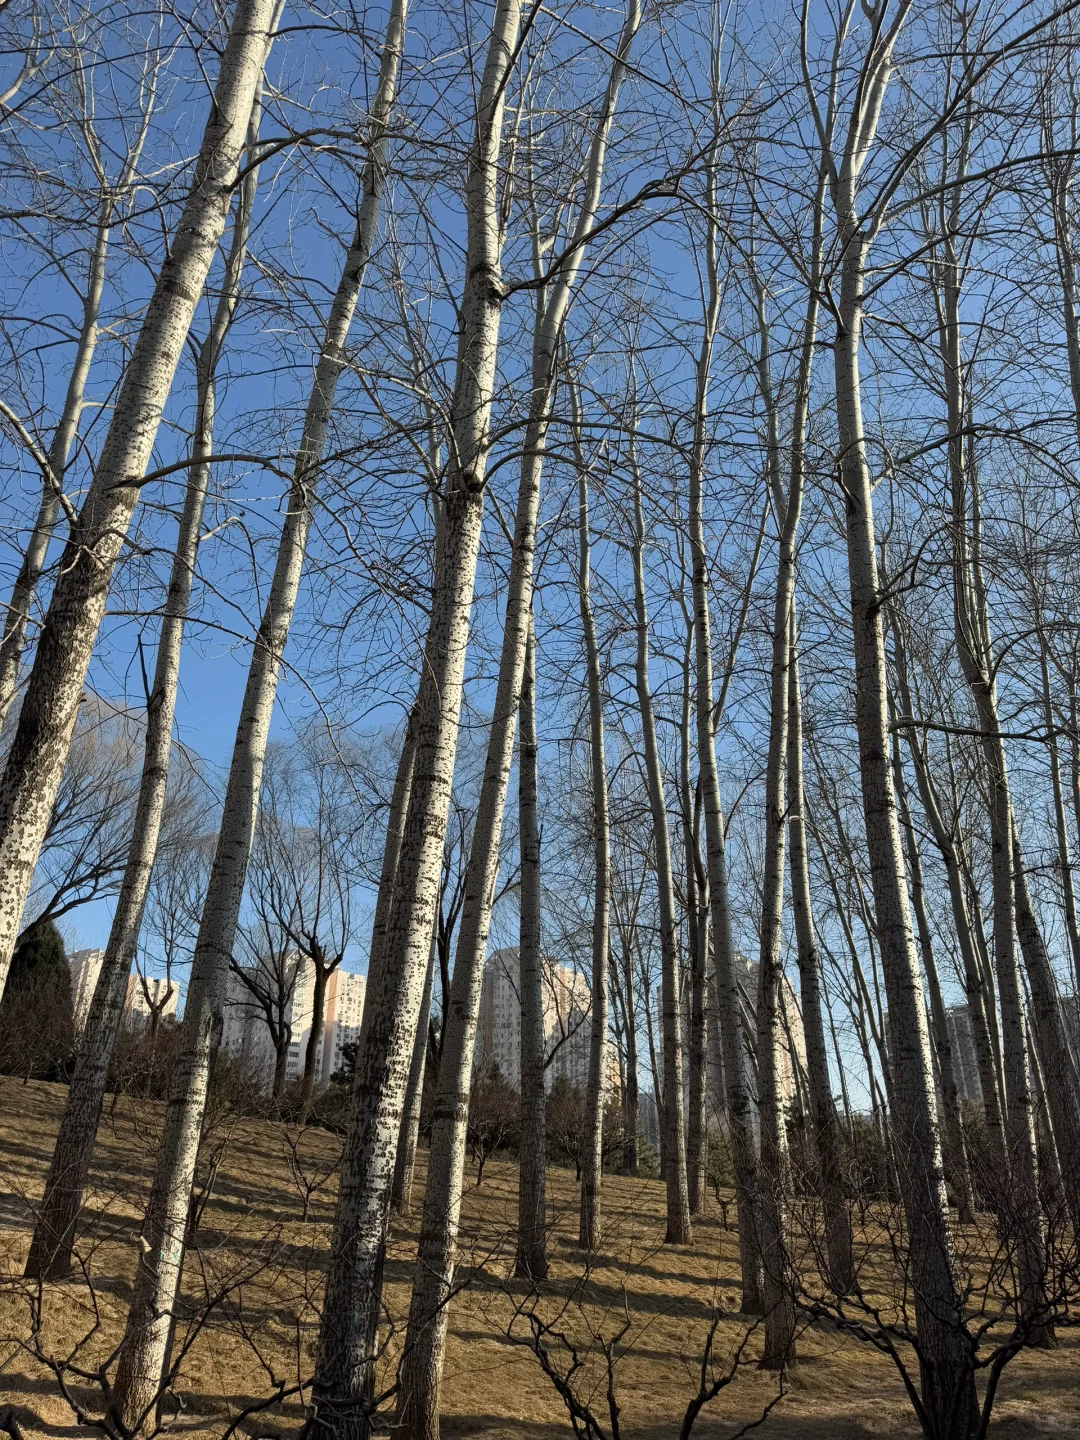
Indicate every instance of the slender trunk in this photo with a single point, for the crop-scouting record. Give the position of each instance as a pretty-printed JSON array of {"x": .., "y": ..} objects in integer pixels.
[
  {"x": 422, "y": 1363},
  {"x": 1060, "y": 1077},
  {"x": 697, "y": 924},
  {"x": 631, "y": 1093},
  {"x": 24, "y": 589},
  {"x": 281, "y": 1060},
  {"x": 589, "y": 1219},
  {"x": 1018, "y": 1206},
  {"x": 531, "y": 1261},
  {"x": 774, "y": 1182},
  {"x": 348, "y": 1336},
  {"x": 157, "y": 1277},
  {"x": 975, "y": 991},
  {"x": 654, "y": 1070},
  {"x": 319, "y": 983},
  {"x": 1060, "y": 177},
  {"x": 54, "y": 1231},
  {"x": 735, "y": 1058},
  {"x": 47, "y": 717},
  {"x": 955, "y": 1145},
  {"x": 1061, "y": 828},
  {"x": 405, "y": 1164},
  {"x": 947, "y": 1383},
  {"x": 841, "y": 1272},
  {"x": 678, "y": 1202}
]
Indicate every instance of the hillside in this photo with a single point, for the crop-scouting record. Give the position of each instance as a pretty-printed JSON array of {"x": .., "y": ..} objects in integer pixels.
[{"x": 256, "y": 1248}]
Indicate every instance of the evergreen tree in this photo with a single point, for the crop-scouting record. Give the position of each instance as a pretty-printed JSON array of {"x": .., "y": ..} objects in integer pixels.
[{"x": 37, "y": 1027}]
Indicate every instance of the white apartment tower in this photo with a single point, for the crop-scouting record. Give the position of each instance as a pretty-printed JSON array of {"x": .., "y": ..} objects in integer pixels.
[{"x": 567, "y": 1003}]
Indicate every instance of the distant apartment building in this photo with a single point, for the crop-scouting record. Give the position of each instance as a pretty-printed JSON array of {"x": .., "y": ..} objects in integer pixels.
[
  {"x": 144, "y": 993},
  {"x": 85, "y": 969},
  {"x": 567, "y": 1002},
  {"x": 962, "y": 1046},
  {"x": 246, "y": 1032},
  {"x": 344, "y": 1011}
]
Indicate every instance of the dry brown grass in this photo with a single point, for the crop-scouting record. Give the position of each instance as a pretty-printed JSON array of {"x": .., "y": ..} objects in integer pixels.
[{"x": 255, "y": 1245}]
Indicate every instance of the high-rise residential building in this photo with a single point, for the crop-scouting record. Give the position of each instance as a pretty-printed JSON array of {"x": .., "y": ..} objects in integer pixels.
[
  {"x": 792, "y": 1036},
  {"x": 143, "y": 992},
  {"x": 962, "y": 1046},
  {"x": 344, "y": 1011},
  {"x": 567, "y": 1003},
  {"x": 246, "y": 1033},
  {"x": 85, "y": 969}
]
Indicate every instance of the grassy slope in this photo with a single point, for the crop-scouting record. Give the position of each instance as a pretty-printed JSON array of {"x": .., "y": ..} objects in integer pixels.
[{"x": 266, "y": 1263}]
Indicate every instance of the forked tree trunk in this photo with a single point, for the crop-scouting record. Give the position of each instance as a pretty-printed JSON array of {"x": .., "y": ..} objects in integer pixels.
[
  {"x": 531, "y": 1260},
  {"x": 323, "y": 966},
  {"x": 947, "y": 1382},
  {"x": 735, "y": 1059},
  {"x": 826, "y": 1127},
  {"x": 348, "y": 1335},
  {"x": 54, "y": 1231},
  {"x": 39, "y": 749},
  {"x": 678, "y": 1231},
  {"x": 405, "y": 1164},
  {"x": 139, "y": 1374},
  {"x": 422, "y": 1362}
]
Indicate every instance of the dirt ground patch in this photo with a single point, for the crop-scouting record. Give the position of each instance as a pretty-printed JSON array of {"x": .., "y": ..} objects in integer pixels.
[{"x": 261, "y": 1260}]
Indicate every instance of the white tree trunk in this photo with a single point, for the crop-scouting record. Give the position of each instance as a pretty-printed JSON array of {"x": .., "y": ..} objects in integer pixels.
[
  {"x": 826, "y": 1128},
  {"x": 139, "y": 1374},
  {"x": 735, "y": 1057},
  {"x": 47, "y": 717},
  {"x": 957, "y": 1169},
  {"x": 54, "y": 1232},
  {"x": 348, "y": 1333},
  {"x": 592, "y": 1158},
  {"x": 678, "y": 1230},
  {"x": 1018, "y": 1192},
  {"x": 421, "y": 1370},
  {"x": 978, "y": 999},
  {"x": 1060, "y": 1075},
  {"x": 33, "y": 562},
  {"x": 946, "y": 1381},
  {"x": 405, "y": 1164},
  {"x": 531, "y": 1260}
]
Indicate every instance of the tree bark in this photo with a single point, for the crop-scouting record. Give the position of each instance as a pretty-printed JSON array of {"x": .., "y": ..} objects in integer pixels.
[
  {"x": 47, "y": 717},
  {"x": 955, "y": 1147},
  {"x": 139, "y": 1373},
  {"x": 978, "y": 1000},
  {"x": 826, "y": 1128},
  {"x": 697, "y": 926},
  {"x": 24, "y": 589},
  {"x": 1060, "y": 1077},
  {"x": 735, "y": 1059},
  {"x": 592, "y": 1160},
  {"x": 54, "y": 1231},
  {"x": 421, "y": 1370},
  {"x": 405, "y": 1164},
  {"x": 678, "y": 1230},
  {"x": 348, "y": 1336},
  {"x": 947, "y": 1382},
  {"x": 531, "y": 1260}
]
